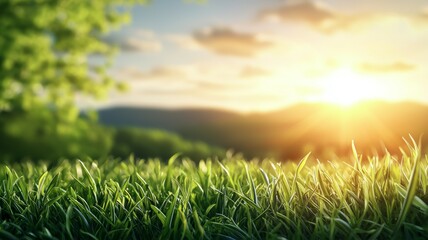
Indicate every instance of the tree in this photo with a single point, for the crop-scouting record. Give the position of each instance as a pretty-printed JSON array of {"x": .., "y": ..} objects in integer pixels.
[{"x": 44, "y": 50}]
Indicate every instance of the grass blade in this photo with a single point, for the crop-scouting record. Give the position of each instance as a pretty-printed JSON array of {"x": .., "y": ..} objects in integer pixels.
[{"x": 411, "y": 190}]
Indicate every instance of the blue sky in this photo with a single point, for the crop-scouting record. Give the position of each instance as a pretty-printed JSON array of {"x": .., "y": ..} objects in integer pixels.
[{"x": 260, "y": 55}]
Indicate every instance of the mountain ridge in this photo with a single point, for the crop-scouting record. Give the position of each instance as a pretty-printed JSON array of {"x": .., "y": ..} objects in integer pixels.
[{"x": 289, "y": 132}]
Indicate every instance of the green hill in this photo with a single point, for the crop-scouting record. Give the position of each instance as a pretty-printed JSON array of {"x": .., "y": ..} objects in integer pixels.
[{"x": 291, "y": 132}]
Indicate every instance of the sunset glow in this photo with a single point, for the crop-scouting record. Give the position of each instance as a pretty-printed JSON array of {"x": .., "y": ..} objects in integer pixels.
[{"x": 345, "y": 87}]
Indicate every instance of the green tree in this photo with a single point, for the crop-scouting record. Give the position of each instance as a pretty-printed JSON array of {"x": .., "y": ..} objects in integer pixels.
[{"x": 44, "y": 50}]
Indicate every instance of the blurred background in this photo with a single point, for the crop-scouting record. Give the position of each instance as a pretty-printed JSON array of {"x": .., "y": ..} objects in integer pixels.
[{"x": 267, "y": 78}]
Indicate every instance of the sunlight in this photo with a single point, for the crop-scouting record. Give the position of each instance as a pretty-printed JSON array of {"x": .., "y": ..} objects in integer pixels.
[{"x": 345, "y": 87}]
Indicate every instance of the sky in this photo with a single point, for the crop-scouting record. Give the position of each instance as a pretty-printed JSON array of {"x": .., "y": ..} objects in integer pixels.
[{"x": 262, "y": 55}]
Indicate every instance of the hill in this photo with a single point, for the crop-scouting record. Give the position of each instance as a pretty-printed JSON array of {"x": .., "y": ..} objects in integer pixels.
[
  {"x": 171, "y": 120},
  {"x": 290, "y": 132}
]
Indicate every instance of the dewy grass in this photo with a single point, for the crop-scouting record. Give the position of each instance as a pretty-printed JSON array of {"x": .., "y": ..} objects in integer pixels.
[{"x": 228, "y": 199}]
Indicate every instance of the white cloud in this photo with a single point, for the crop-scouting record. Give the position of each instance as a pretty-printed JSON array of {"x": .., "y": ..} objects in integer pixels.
[{"x": 227, "y": 41}]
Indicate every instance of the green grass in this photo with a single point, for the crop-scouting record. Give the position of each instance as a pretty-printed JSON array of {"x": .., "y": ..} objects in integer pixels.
[{"x": 382, "y": 198}]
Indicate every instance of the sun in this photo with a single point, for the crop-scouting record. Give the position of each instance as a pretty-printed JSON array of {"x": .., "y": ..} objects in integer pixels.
[{"x": 345, "y": 87}]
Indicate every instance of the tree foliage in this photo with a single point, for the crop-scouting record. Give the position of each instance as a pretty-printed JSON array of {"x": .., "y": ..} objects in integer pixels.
[
  {"x": 44, "y": 51},
  {"x": 151, "y": 143},
  {"x": 45, "y": 47},
  {"x": 38, "y": 135}
]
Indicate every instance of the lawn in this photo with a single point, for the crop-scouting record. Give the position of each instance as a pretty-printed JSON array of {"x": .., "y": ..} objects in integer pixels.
[{"x": 232, "y": 198}]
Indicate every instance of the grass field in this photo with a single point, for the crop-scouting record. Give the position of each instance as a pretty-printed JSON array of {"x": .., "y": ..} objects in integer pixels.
[{"x": 227, "y": 199}]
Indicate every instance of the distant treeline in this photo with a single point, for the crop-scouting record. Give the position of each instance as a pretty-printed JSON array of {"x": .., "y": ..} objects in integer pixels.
[{"x": 151, "y": 143}]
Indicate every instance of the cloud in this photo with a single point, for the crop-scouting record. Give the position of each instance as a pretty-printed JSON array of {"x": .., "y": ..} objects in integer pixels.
[
  {"x": 140, "y": 40},
  {"x": 161, "y": 72},
  {"x": 253, "y": 72},
  {"x": 308, "y": 12},
  {"x": 385, "y": 68},
  {"x": 184, "y": 41},
  {"x": 214, "y": 86},
  {"x": 140, "y": 45},
  {"x": 312, "y": 14},
  {"x": 323, "y": 18},
  {"x": 165, "y": 72},
  {"x": 194, "y": 77},
  {"x": 421, "y": 18},
  {"x": 225, "y": 41}
]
